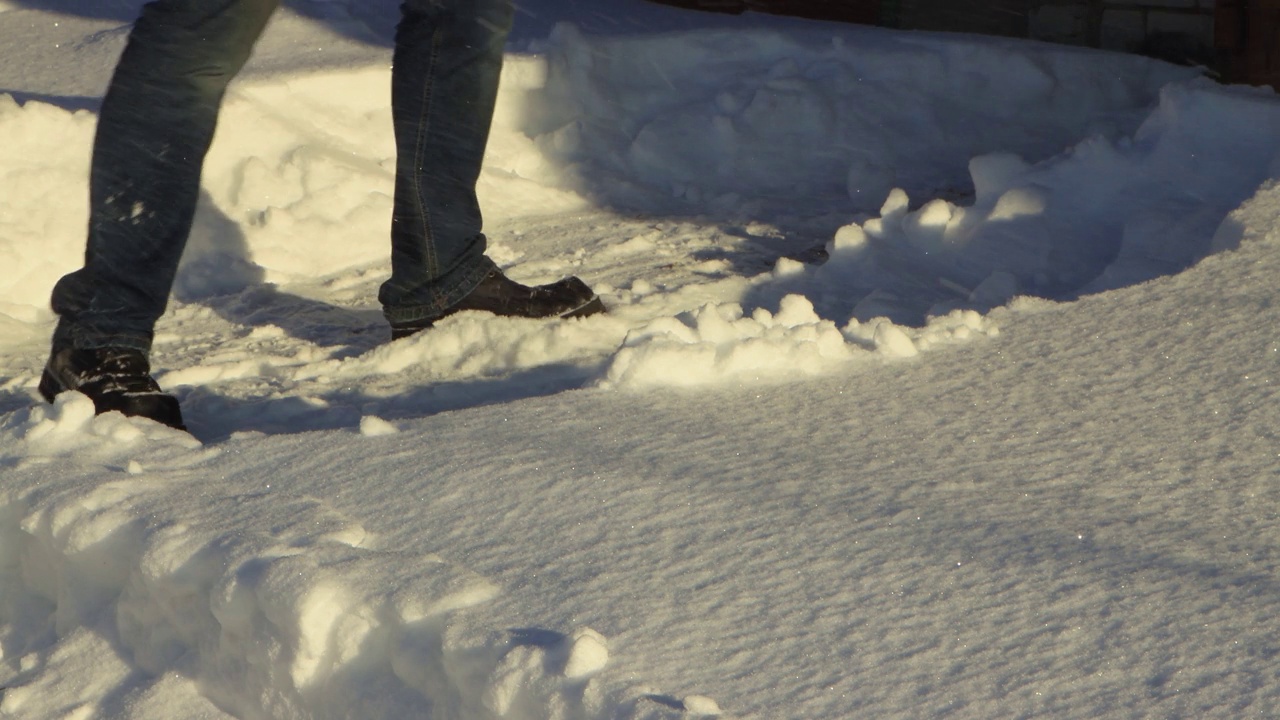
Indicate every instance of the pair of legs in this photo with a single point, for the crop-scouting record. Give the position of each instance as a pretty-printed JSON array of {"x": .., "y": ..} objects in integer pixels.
[
  {"x": 157, "y": 122},
  {"x": 158, "y": 119}
]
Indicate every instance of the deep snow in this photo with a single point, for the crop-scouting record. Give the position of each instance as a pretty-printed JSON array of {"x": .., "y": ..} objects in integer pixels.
[{"x": 937, "y": 382}]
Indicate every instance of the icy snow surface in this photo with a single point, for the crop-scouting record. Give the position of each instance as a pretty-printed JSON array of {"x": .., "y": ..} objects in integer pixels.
[{"x": 936, "y": 382}]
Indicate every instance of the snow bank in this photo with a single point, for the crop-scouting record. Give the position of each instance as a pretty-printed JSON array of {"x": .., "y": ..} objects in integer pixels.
[
  {"x": 44, "y": 163},
  {"x": 833, "y": 119},
  {"x": 1105, "y": 214},
  {"x": 273, "y": 605}
]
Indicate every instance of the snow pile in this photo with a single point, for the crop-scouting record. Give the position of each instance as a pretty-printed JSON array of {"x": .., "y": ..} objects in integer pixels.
[
  {"x": 720, "y": 117},
  {"x": 1105, "y": 214},
  {"x": 718, "y": 344},
  {"x": 273, "y": 604},
  {"x": 311, "y": 188},
  {"x": 69, "y": 426},
  {"x": 44, "y": 163}
]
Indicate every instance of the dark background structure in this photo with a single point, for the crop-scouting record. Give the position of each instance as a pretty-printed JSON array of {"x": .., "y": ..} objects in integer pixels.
[{"x": 1235, "y": 40}]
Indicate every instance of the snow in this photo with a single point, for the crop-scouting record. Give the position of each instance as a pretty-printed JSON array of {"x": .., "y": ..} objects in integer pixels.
[{"x": 938, "y": 381}]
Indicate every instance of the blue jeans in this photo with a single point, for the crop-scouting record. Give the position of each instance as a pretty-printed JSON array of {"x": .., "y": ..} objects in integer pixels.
[{"x": 158, "y": 118}]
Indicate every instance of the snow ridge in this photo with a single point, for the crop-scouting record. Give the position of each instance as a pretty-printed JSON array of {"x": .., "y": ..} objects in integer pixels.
[{"x": 306, "y": 621}]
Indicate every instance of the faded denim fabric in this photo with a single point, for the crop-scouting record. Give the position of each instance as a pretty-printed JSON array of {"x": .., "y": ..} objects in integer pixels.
[{"x": 158, "y": 119}]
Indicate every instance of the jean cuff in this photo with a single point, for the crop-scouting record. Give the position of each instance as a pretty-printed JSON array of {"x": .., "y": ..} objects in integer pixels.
[
  {"x": 441, "y": 299},
  {"x": 85, "y": 337}
]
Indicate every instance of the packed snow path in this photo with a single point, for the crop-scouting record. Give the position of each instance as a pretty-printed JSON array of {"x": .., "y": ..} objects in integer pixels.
[{"x": 938, "y": 381}]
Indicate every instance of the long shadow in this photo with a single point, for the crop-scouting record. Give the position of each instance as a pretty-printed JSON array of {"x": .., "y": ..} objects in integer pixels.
[
  {"x": 12, "y": 401},
  {"x": 213, "y": 418},
  {"x": 70, "y": 103}
]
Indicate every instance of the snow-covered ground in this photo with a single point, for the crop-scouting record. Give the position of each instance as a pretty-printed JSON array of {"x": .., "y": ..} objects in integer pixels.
[{"x": 939, "y": 380}]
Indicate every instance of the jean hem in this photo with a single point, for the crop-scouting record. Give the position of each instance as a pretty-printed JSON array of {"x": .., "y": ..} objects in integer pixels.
[
  {"x": 82, "y": 340},
  {"x": 441, "y": 300}
]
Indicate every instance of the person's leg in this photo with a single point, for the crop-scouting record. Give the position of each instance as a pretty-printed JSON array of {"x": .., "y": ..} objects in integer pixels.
[
  {"x": 448, "y": 58},
  {"x": 156, "y": 123},
  {"x": 154, "y": 129}
]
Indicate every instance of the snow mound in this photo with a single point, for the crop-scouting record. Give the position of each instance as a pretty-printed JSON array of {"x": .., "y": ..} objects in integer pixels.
[
  {"x": 1103, "y": 215},
  {"x": 719, "y": 116},
  {"x": 43, "y": 211},
  {"x": 123, "y": 593},
  {"x": 717, "y": 344},
  {"x": 69, "y": 427}
]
